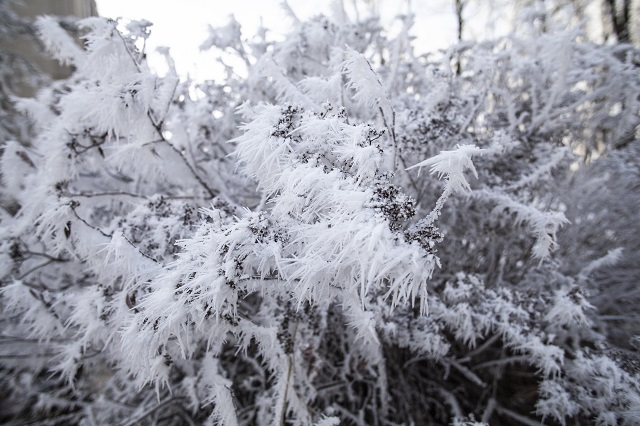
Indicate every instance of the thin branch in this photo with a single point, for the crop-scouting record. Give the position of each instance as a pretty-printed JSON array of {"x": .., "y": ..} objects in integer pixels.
[
  {"x": 173, "y": 92},
  {"x": 522, "y": 419},
  {"x": 628, "y": 317},
  {"x": 46, "y": 255},
  {"x": 452, "y": 401},
  {"x": 29, "y": 355},
  {"x": 62, "y": 419},
  {"x": 39, "y": 297},
  {"x": 503, "y": 361},
  {"x": 202, "y": 183},
  {"x": 14, "y": 339},
  {"x": 153, "y": 142},
  {"x": 104, "y": 194},
  {"x": 35, "y": 268},
  {"x": 468, "y": 374},
  {"x": 481, "y": 348},
  {"x": 72, "y": 205},
  {"x": 413, "y": 183},
  {"x": 184, "y": 415},
  {"x": 392, "y": 132},
  {"x": 489, "y": 409},
  {"x": 290, "y": 358},
  {"x": 125, "y": 194},
  {"x": 73, "y": 209},
  {"x": 158, "y": 127},
  {"x": 145, "y": 414}
]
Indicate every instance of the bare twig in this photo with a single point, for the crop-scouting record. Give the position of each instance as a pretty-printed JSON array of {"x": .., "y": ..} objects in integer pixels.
[
  {"x": 35, "y": 268},
  {"x": 145, "y": 414},
  {"x": 104, "y": 194},
  {"x": 158, "y": 127},
  {"x": 522, "y": 419},
  {"x": 290, "y": 360},
  {"x": 473, "y": 377},
  {"x": 503, "y": 361},
  {"x": 105, "y": 234},
  {"x": 481, "y": 348}
]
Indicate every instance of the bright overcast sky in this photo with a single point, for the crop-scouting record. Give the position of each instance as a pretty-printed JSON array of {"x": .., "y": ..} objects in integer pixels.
[{"x": 181, "y": 25}]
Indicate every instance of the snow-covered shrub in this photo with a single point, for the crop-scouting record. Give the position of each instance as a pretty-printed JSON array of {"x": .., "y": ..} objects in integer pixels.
[{"x": 353, "y": 234}]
